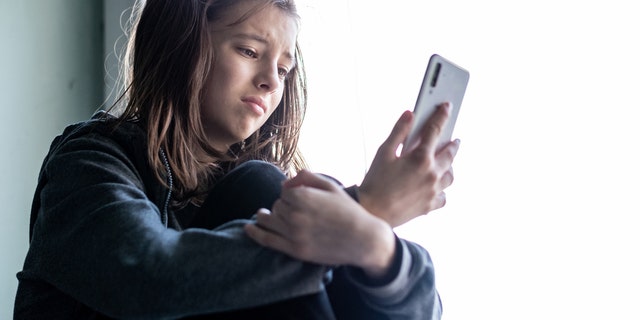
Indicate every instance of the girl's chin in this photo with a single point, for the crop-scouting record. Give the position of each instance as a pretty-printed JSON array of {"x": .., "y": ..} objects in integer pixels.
[{"x": 231, "y": 139}]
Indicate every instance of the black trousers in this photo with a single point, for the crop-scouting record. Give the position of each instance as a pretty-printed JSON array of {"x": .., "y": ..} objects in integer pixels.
[{"x": 238, "y": 195}]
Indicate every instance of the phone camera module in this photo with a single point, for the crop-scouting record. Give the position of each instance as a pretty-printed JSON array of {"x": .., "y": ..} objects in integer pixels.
[{"x": 436, "y": 73}]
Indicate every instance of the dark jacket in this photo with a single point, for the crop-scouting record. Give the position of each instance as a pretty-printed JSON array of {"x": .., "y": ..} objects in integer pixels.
[{"x": 105, "y": 242}]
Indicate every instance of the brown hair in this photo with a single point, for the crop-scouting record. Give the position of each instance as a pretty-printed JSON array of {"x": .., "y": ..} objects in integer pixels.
[{"x": 167, "y": 61}]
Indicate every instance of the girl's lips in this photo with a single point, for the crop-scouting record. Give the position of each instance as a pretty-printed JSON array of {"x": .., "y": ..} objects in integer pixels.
[{"x": 256, "y": 103}]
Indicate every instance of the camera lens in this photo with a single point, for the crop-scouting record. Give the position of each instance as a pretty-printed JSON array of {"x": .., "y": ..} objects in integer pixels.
[{"x": 436, "y": 73}]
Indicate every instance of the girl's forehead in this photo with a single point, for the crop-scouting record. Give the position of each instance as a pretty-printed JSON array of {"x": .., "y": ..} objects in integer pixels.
[
  {"x": 264, "y": 22},
  {"x": 246, "y": 10}
]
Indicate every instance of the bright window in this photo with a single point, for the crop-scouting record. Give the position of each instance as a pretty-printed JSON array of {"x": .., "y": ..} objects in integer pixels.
[{"x": 542, "y": 218}]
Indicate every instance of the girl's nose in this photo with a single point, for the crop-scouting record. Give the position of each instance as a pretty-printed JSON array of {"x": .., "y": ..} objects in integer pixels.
[{"x": 268, "y": 79}]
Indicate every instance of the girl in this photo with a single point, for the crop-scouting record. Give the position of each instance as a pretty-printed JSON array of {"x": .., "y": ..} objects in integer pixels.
[{"x": 194, "y": 199}]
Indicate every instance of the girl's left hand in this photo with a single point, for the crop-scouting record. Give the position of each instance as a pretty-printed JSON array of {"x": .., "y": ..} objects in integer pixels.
[{"x": 315, "y": 220}]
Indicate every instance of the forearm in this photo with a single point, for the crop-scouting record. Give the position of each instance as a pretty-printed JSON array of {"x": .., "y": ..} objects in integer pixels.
[
  {"x": 129, "y": 270},
  {"x": 399, "y": 293},
  {"x": 99, "y": 239}
]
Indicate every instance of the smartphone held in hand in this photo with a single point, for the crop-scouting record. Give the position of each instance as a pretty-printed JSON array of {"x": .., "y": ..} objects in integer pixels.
[{"x": 443, "y": 82}]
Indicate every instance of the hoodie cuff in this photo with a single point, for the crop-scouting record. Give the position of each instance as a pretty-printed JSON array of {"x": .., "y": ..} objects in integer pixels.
[
  {"x": 388, "y": 287},
  {"x": 353, "y": 192}
]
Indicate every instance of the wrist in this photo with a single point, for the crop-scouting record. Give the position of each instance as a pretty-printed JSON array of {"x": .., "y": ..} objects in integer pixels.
[
  {"x": 368, "y": 201},
  {"x": 378, "y": 261}
]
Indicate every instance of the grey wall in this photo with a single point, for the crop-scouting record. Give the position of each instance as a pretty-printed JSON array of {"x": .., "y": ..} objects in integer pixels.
[
  {"x": 52, "y": 66},
  {"x": 116, "y": 15}
]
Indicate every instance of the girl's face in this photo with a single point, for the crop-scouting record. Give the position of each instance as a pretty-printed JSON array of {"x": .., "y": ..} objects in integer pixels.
[{"x": 246, "y": 82}]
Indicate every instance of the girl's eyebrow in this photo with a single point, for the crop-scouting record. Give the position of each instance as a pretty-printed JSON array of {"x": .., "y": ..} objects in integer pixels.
[{"x": 251, "y": 36}]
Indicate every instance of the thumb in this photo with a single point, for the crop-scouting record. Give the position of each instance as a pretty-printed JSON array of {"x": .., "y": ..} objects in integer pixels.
[{"x": 398, "y": 135}]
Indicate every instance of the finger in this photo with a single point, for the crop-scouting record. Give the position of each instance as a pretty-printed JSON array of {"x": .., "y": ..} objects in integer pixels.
[
  {"x": 447, "y": 179},
  {"x": 310, "y": 179},
  {"x": 302, "y": 199},
  {"x": 272, "y": 223},
  {"x": 293, "y": 197},
  {"x": 432, "y": 129},
  {"x": 446, "y": 155},
  {"x": 440, "y": 201},
  {"x": 267, "y": 238},
  {"x": 266, "y": 220},
  {"x": 398, "y": 135},
  {"x": 278, "y": 219}
]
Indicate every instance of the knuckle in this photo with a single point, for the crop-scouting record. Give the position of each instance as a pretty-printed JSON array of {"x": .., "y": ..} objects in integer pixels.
[
  {"x": 422, "y": 158},
  {"x": 431, "y": 194},
  {"x": 431, "y": 176},
  {"x": 434, "y": 129},
  {"x": 383, "y": 147},
  {"x": 449, "y": 154},
  {"x": 301, "y": 194},
  {"x": 278, "y": 209}
]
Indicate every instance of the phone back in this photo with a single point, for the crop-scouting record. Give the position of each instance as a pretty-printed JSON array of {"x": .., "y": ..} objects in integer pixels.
[{"x": 443, "y": 81}]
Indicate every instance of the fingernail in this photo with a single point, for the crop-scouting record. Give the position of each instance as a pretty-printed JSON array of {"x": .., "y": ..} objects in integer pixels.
[
  {"x": 406, "y": 116},
  {"x": 264, "y": 211}
]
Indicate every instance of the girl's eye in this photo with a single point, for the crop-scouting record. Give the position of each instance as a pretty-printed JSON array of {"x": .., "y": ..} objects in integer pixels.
[
  {"x": 282, "y": 72},
  {"x": 248, "y": 52}
]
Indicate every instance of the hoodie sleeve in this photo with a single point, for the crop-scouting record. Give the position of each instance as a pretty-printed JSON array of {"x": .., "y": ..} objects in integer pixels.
[
  {"x": 100, "y": 240},
  {"x": 407, "y": 292}
]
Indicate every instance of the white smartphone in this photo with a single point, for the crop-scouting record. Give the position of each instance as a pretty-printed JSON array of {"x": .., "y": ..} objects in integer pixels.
[{"x": 443, "y": 82}]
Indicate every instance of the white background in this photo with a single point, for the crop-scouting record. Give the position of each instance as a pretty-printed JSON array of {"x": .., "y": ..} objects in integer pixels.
[{"x": 540, "y": 222}]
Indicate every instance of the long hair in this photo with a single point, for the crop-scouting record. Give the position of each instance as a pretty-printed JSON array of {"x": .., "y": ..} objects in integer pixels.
[{"x": 166, "y": 64}]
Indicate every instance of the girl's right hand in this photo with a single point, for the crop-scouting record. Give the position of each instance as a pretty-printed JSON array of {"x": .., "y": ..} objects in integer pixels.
[
  {"x": 398, "y": 189},
  {"x": 315, "y": 220}
]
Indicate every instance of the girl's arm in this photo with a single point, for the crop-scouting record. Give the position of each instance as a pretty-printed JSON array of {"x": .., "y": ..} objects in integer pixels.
[
  {"x": 316, "y": 220},
  {"x": 379, "y": 274},
  {"x": 100, "y": 240}
]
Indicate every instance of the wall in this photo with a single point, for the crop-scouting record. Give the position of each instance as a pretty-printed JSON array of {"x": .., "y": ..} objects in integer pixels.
[
  {"x": 116, "y": 16},
  {"x": 52, "y": 64}
]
